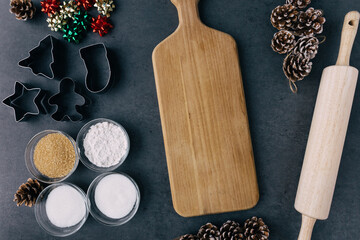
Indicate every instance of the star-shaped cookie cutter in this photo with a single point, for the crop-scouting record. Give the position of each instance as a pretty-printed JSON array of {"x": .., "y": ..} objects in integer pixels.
[
  {"x": 18, "y": 101},
  {"x": 32, "y": 61}
]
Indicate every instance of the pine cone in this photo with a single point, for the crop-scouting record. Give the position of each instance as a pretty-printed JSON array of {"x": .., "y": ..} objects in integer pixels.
[
  {"x": 23, "y": 9},
  {"x": 188, "y": 237},
  {"x": 310, "y": 22},
  {"x": 284, "y": 17},
  {"x": 231, "y": 230},
  {"x": 283, "y": 41},
  {"x": 255, "y": 229},
  {"x": 28, "y": 192},
  {"x": 297, "y": 66},
  {"x": 208, "y": 232},
  {"x": 299, "y": 3},
  {"x": 307, "y": 45}
]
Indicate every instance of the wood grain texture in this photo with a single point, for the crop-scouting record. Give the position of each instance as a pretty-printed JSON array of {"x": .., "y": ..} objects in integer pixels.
[
  {"x": 351, "y": 24},
  {"x": 307, "y": 226},
  {"x": 327, "y": 134},
  {"x": 326, "y": 141},
  {"x": 204, "y": 118}
]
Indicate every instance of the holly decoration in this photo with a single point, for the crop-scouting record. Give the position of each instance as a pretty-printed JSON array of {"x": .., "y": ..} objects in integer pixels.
[
  {"x": 105, "y": 7},
  {"x": 72, "y": 18},
  {"x": 68, "y": 9},
  {"x": 73, "y": 33},
  {"x": 86, "y": 4},
  {"x": 56, "y": 21},
  {"x": 50, "y": 6},
  {"x": 101, "y": 25},
  {"x": 82, "y": 20}
]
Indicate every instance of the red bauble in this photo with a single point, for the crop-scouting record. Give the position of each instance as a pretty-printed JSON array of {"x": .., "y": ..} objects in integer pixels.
[
  {"x": 86, "y": 4},
  {"x": 101, "y": 25},
  {"x": 50, "y": 6}
]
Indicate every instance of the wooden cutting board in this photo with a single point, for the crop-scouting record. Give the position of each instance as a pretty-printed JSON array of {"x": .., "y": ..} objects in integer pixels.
[{"x": 204, "y": 118}]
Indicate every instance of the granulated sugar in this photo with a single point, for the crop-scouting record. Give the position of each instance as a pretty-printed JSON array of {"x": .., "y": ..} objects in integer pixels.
[
  {"x": 115, "y": 196},
  {"x": 65, "y": 207},
  {"x": 105, "y": 144}
]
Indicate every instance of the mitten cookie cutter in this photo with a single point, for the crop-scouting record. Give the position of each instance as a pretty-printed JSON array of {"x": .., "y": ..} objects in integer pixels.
[
  {"x": 19, "y": 101},
  {"x": 66, "y": 110},
  {"x": 35, "y": 62},
  {"x": 95, "y": 73}
]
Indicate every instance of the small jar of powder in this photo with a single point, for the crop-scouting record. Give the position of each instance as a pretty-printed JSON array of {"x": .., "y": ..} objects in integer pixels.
[
  {"x": 61, "y": 209},
  {"x": 103, "y": 145},
  {"x": 114, "y": 198}
]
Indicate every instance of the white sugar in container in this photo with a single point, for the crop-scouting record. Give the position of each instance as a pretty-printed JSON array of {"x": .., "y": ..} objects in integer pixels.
[
  {"x": 61, "y": 209},
  {"x": 114, "y": 198}
]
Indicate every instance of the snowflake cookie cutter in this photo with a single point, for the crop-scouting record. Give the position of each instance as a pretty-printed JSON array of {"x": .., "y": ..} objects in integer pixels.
[
  {"x": 35, "y": 59},
  {"x": 95, "y": 74},
  {"x": 19, "y": 101},
  {"x": 65, "y": 102}
]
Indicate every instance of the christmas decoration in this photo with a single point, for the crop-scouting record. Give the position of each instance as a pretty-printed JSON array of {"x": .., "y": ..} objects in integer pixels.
[
  {"x": 104, "y": 7},
  {"x": 310, "y": 22},
  {"x": 299, "y": 3},
  {"x": 231, "y": 230},
  {"x": 82, "y": 20},
  {"x": 28, "y": 192},
  {"x": 86, "y": 4},
  {"x": 297, "y": 37},
  {"x": 208, "y": 232},
  {"x": 307, "y": 45},
  {"x": 23, "y": 9},
  {"x": 188, "y": 237},
  {"x": 68, "y": 9},
  {"x": 101, "y": 25},
  {"x": 73, "y": 33},
  {"x": 296, "y": 67},
  {"x": 283, "y": 41},
  {"x": 255, "y": 229},
  {"x": 56, "y": 21},
  {"x": 284, "y": 17},
  {"x": 50, "y": 6}
]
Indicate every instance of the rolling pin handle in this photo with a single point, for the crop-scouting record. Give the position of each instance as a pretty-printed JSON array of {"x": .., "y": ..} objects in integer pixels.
[
  {"x": 348, "y": 35},
  {"x": 307, "y": 226}
]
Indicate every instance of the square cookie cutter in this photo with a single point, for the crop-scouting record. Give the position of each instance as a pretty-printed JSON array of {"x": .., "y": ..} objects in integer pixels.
[
  {"x": 98, "y": 69},
  {"x": 23, "y": 104},
  {"x": 36, "y": 58}
]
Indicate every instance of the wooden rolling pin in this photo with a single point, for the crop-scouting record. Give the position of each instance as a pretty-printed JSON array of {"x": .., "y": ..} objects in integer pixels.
[{"x": 327, "y": 134}]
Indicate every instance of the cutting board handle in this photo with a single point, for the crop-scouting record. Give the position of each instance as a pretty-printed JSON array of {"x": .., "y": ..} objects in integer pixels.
[
  {"x": 188, "y": 12},
  {"x": 348, "y": 35}
]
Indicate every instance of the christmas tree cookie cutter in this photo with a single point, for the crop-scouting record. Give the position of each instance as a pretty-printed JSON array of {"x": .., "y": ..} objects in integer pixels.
[
  {"x": 68, "y": 102},
  {"x": 25, "y": 101},
  {"x": 43, "y": 52},
  {"x": 97, "y": 65}
]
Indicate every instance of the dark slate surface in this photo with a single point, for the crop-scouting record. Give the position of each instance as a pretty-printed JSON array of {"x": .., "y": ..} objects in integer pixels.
[{"x": 279, "y": 120}]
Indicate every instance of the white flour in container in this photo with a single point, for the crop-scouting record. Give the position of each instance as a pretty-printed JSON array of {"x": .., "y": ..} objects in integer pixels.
[
  {"x": 65, "y": 206},
  {"x": 115, "y": 196},
  {"x": 105, "y": 144}
]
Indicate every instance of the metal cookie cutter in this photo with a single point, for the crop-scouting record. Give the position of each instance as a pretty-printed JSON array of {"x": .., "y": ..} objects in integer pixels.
[
  {"x": 68, "y": 102},
  {"x": 98, "y": 70},
  {"x": 24, "y": 101},
  {"x": 43, "y": 52}
]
